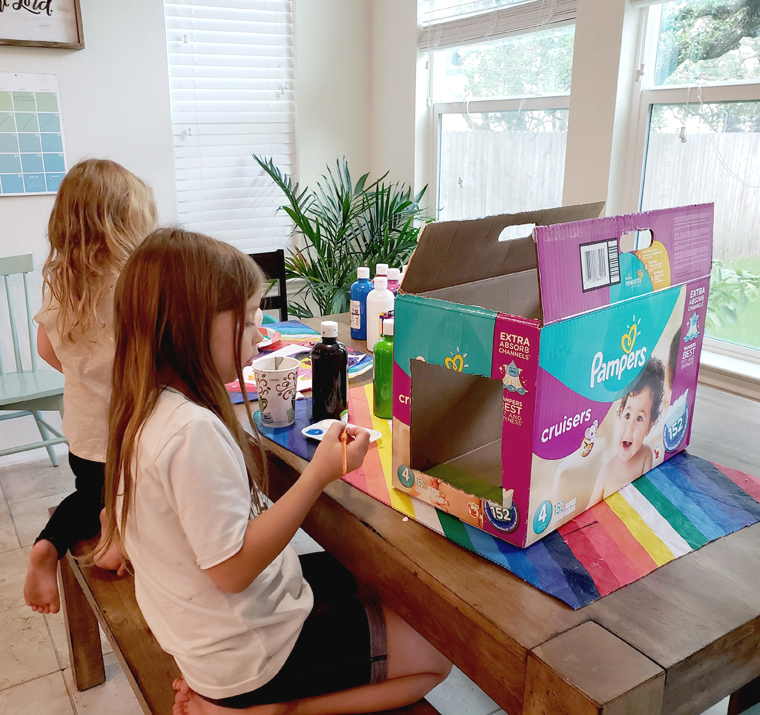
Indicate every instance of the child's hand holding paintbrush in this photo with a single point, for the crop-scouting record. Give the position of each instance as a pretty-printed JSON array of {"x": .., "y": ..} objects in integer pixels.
[{"x": 342, "y": 450}]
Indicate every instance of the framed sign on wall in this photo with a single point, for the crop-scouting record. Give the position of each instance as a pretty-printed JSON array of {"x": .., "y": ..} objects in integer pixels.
[{"x": 41, "y": 23}]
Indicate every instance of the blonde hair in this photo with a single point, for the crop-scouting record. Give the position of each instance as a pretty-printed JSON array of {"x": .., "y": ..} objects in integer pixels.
[
  {"x": 100, "y": 215},
  {"x": 167, "y": 296}
]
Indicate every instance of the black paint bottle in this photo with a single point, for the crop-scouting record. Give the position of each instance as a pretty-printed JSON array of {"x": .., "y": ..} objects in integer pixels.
[{"x": 329, "y": 375}]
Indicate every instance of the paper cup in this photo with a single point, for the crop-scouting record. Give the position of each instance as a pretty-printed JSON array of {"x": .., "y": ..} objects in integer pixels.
[{"x": 276, "y": 380}]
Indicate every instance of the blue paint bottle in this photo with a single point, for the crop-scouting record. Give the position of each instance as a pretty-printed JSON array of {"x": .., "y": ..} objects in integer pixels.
[{"x": 359, "y": 292}]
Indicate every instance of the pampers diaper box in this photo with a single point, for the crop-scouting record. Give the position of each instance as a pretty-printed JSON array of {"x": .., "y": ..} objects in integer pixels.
[{"x": 544, "y": 360}]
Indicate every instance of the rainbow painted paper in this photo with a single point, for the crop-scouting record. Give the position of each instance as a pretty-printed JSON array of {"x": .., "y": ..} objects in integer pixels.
[{"x": 676, "y": 508}]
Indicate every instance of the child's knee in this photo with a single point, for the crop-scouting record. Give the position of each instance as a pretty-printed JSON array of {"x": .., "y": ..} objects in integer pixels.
[
  {"x": 436, "y": 663},
  {"x": 444, "y": 666}
]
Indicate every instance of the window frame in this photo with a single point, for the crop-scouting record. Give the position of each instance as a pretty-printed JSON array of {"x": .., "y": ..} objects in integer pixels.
[
  {"x": 743, "y": 90},
  {"x": 626, "y": 176}
]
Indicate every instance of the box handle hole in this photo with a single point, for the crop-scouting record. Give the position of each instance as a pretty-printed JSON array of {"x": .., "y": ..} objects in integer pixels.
[
  {"x": 635, "y": 241},
  {"x": 523, "y": 230}
]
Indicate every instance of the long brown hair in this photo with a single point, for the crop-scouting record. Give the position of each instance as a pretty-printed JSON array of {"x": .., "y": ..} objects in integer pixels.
[
  {"x": 100, "y": 215},
  {"x": 167, "y": 297}
]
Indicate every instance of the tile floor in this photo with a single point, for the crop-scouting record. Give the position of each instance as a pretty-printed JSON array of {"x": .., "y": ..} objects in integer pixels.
[{"x": 35, "y": 675}]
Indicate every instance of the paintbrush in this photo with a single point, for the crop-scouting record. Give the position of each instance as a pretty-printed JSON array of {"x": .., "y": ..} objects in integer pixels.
[{"x": 344, "y": 439}]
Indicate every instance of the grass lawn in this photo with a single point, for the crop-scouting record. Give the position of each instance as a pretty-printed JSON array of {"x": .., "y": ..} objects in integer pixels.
[{"x": 747, "y": 330}]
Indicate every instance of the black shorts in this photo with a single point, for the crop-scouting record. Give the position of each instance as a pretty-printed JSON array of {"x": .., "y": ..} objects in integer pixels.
[
  {"x": 342, "y": 643},
  {"x": 77, "y": 517}
]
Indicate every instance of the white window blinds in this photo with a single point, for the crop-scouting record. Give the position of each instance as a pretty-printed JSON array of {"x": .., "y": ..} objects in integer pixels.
[
  {"x": 232, "y": 95},
  {"x": 452, "y": 23}
]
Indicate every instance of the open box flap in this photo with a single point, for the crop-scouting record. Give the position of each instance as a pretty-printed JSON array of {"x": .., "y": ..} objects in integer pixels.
[
  {"x": 453, "y": 253},
  {"x": 514, "y": 294},
  {"x": 581, "y": 267}
]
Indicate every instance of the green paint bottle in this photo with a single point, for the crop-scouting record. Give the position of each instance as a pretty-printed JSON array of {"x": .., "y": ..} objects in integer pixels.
[{"x": 383, "y": 383}]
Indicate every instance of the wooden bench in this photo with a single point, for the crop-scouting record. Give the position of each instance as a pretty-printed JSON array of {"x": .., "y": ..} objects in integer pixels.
[{"x": 91, "y": 596}]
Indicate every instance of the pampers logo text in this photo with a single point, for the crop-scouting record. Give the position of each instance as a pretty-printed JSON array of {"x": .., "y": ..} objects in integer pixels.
[{"x": 603, "y": 370}]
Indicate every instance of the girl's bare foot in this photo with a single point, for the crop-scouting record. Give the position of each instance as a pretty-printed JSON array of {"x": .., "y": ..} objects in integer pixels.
[
  {"x": 111, "y": 560},
  {"x": 41, "y": 584},
  {"x": 188, "y": 702},
  {"x": 181, "y": 696}
]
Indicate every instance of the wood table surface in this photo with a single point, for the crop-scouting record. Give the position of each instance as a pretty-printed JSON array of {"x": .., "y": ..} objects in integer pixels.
[{"x": 674, "y": 642}]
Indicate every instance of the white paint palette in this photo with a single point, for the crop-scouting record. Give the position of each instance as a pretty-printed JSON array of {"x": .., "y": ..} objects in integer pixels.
[{"x": 318, "y": 429}]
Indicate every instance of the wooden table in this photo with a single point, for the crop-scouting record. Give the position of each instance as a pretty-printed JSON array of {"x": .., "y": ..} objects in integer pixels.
[{"x": 674, "y": 642}]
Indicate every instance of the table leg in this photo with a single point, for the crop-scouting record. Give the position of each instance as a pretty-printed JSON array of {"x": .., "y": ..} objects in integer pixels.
[
  {"x": 81, "y": 629},
  {"x": 744, "y": 698}
]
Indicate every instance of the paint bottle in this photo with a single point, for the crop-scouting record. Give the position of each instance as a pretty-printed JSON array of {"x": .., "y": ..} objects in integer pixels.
[
  {"x": 381, "y": 270},
  {"x": 359, "y": 292},
  {"x": 394, "y": 280},
  {"x": 379, "y": 301},
  {"x": 383, "y": 381},
  {"x": 329, "y": 375}
]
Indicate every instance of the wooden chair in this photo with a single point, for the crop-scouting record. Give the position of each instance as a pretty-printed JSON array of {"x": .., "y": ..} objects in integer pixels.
[
  {"x": 273, "y": 265},
  {"x": 27, "y": 392}
]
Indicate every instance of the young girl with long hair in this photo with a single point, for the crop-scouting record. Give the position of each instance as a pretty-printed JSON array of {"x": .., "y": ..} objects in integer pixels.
[
  {"x": 251, "y": 626},
  {"x": 100, "y": 214}
]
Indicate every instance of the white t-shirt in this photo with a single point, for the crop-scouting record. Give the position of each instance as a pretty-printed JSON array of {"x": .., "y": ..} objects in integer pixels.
[
  {"x": 190, "y": 511},
  {"x": 87, "y": 363}
]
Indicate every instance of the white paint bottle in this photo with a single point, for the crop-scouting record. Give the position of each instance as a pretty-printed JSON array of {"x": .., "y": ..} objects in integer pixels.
[{"x": 379, "y": 301}]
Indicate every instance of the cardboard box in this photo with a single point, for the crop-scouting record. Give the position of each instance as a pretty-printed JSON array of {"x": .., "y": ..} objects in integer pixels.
[{"x": 535, "y": 376}]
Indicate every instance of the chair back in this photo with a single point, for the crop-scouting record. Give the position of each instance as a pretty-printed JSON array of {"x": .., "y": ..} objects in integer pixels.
[
  {"x": 273, "y": 265},
  {"x": 14, "y": 266}
]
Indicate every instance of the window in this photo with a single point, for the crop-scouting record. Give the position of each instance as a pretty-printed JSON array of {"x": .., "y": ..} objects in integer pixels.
[
  {"x": 500, "y": 85},
  {"x": 232, "y": 95},
  {"x": 701, "y": 111},
  {"x": 500, "y": 106}
]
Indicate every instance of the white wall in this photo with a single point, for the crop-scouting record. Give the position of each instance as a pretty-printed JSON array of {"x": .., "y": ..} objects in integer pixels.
[
  {"x": 333, "y": 99},
  {"x": 114, "y": 99},
  {"x": 394, "y": 74},
  {"x": 355, "y": 86},
  {"x": 600, "y": 102}
]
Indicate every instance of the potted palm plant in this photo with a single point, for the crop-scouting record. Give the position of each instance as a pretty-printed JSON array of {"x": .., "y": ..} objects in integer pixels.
[{"x": 344, "y": 225}]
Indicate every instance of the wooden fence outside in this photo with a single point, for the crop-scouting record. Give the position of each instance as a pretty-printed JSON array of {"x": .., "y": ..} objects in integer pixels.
[
  {"x": 484, "y": 173},
  {"x": 691, "y": 173}
]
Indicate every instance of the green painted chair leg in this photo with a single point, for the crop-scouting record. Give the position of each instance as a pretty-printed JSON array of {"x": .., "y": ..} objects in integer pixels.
[{"x": 45, "y": 436}]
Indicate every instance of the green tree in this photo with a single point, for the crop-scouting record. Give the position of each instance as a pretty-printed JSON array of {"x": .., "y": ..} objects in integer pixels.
[
  {"x": 695, "y": 33},
  {"x": 524, "y": 66},
  {"x": 700, "y": 41},
  {"x": 709, "y": 41}
]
